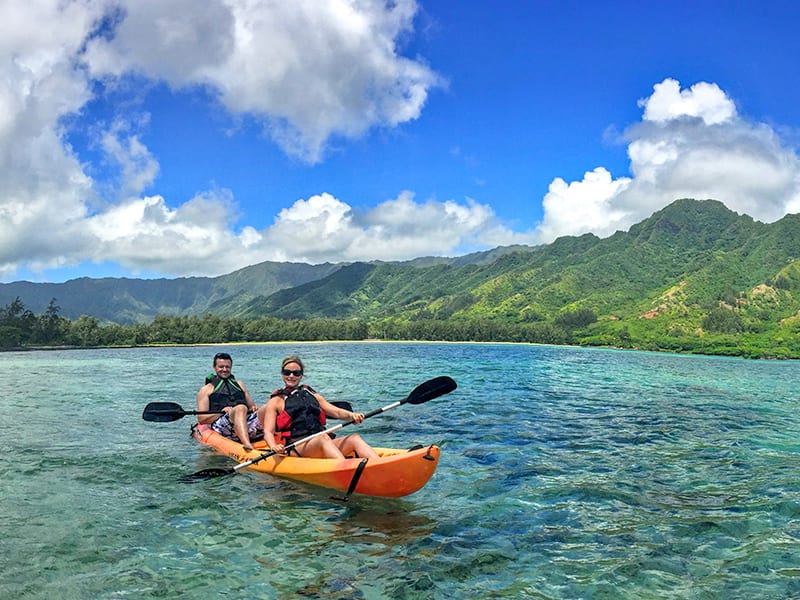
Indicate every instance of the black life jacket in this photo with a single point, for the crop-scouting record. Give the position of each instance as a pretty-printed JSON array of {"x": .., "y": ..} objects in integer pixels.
[
  {"x": 226, "y": 393},
  {"x": 301, "y": 415}
]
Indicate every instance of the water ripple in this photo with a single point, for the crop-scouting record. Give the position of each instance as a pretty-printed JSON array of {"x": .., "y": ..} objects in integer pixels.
[{"x": 565, "y": 473}]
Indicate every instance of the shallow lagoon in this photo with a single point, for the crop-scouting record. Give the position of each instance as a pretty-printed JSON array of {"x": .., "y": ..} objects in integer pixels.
[{"x": 565, "y": 473}]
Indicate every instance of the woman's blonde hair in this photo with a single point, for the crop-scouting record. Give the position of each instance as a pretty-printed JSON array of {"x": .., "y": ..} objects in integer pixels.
[{"x": 293, "y": 358}]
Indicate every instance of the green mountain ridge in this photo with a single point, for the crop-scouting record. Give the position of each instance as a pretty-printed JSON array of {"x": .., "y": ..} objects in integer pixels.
[
  {"x": 616, "y": 274},
  {"x": 678, "y": 280},
  {"x": 694, "y": 276}
]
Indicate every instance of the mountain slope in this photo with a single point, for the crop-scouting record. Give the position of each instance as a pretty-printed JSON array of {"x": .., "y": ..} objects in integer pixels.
[
  {"x": 692, "y": 271},
  {"x": 715, "y": 249},
  {"x": 123, "y": 300}
]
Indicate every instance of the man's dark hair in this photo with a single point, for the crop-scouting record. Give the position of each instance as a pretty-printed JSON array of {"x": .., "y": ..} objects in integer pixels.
[{"x": 221, "y": 356}]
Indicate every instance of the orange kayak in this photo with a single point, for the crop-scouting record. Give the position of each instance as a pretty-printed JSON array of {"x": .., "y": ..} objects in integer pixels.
[{"x": 398, "y": 472}]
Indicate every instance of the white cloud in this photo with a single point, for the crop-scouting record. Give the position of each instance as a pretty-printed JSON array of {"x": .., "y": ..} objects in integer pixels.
[
  {"x": 703, "y": 100},
  {"x": 174, "y": 41},
  {"x": 307, "y": 69},
  {"x": 313, "y": 230},
  {"x": 138, "y": 166},
  {"x": 691, "y": 143},
  {"x": 143, "y": 233},
  {"x": 310, "y": 71},
  {"x": 44, "y": 189},
  {"x": 583, "y": 206}
]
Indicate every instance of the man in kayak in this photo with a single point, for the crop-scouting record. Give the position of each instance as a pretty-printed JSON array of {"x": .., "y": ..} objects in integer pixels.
[
  {"x": 296, "y": 411},
  {"x": 222, "y": 392}
]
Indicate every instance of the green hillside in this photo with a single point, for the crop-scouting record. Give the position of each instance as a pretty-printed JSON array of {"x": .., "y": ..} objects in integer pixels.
[
  {"x": 693, "y": 277},
  {"x": 123, "y": 300}
]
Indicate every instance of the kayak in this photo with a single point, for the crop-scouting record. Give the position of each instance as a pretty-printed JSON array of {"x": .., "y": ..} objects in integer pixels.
[{"x": 398, "y": 472}]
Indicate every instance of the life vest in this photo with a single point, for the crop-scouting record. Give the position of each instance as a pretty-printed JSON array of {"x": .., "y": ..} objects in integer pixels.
[
  {"x": 226, "y": 393},
  {"x": 301, "y": 415}
]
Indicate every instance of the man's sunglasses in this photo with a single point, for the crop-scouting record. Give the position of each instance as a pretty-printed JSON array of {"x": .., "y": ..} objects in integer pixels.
[{"x": 295, "y": 372}]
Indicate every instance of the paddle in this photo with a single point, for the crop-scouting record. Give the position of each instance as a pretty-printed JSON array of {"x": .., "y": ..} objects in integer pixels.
[
  {"x": 428, "y": 390},
  {"x": 164, "y": 412}
]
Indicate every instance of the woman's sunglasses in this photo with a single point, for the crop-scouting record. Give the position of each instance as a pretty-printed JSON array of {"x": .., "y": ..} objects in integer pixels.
[{"x": 295, "y": 372}]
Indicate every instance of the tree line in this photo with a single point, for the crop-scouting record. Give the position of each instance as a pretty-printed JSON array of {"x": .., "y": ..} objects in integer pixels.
[{"x": 21, "y": 328}]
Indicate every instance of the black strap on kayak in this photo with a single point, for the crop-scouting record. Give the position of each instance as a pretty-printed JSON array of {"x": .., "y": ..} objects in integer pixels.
[{"x": 353, "y": 481}]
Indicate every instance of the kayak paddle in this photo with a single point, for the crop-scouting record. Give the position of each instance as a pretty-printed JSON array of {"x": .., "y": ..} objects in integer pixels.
[
  {"x": 428, "y": 390},
  {"x": 164, "y": 412}
]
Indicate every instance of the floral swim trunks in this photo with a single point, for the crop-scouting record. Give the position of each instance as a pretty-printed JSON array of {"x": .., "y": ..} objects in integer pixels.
[{"x": 224, "y": 426}]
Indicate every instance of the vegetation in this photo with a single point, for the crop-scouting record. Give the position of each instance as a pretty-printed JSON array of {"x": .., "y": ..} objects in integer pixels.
[
  {"x": 694, "y": 277},
  {"x": 20, "y": 328}
]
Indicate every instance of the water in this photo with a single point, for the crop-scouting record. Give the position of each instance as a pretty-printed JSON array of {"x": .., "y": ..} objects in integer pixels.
[{"x": 565, "y": 473}]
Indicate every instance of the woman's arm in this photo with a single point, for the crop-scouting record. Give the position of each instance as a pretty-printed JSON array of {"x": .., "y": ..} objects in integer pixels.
[{"x": 336, "y": 412}]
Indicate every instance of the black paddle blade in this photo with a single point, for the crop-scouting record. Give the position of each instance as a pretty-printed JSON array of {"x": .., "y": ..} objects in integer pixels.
[
  {"x": 163, "y": 412},
  {"x": 207, "y": 474},
  {"x": 433, "y": 388}
]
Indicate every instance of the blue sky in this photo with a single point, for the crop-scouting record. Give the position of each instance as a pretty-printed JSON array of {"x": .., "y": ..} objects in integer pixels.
[{"x": 174, "y": 138}]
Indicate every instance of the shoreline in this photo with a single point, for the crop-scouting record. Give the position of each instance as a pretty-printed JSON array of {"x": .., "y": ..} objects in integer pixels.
[{"x": 382, "y": 341}]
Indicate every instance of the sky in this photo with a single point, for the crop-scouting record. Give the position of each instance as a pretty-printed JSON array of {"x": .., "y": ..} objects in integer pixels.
[{"x": 173, "y": 138}]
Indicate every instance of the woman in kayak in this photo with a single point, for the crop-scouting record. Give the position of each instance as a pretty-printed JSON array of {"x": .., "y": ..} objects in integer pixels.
[{"x": 296, "y": 411}]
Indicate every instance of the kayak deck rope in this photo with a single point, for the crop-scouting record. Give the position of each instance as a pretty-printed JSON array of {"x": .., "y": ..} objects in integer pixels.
[{"x": 428, "y": 455}]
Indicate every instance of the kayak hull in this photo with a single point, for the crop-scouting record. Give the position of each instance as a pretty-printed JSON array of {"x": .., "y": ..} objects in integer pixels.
[{"x": 397, "y": 473}]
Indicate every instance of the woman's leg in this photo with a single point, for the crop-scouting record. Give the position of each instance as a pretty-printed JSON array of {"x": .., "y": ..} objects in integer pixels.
[
  {"x": 321, "y": 446},
  {"x": 355, "y": 443}
]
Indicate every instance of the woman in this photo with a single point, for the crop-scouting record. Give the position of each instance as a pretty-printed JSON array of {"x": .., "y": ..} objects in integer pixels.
[{"x": 296, "y": 411}]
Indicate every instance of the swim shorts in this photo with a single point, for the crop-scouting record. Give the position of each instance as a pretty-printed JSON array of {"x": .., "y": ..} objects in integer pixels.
[{"x": 224, "y": 426}]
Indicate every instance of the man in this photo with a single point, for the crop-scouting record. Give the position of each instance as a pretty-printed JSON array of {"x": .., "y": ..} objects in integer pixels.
[{"x": 223, "y": 393}]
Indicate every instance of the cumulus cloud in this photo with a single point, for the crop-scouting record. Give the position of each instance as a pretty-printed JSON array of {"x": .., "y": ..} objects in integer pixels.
[
  {"x": 45, "y": 192},
  {"x": 691, "y": 143},
  {"x": 143, "y": 233},
  {"x": 307, "y": 70},
  {"x": 396, "y": 229}
]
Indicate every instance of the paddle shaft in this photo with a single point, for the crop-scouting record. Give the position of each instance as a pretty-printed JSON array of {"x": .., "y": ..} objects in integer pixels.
[
  {"x": 170, "y": 411},
  {"x": 266, "y": 455},
  {"x": 183, "y": 413}
]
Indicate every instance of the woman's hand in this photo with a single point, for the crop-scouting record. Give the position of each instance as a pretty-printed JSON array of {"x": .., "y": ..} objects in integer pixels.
[{"x": 357, "y": 417}]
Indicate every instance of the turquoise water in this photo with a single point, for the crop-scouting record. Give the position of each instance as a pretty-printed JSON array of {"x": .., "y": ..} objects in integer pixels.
[{"x": 565, "y": 473}]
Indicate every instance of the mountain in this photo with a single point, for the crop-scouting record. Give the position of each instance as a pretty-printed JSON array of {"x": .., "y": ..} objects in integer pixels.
[
  {"x": 703, "y": 242},
  {"x": 123, "y": 300},
  {"x": 692, "y": 277},
  {"x": 127, "y": 301}
]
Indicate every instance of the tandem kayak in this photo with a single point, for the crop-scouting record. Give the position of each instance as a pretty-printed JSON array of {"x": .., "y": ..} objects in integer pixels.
[{"x": 398, "y": 472}]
